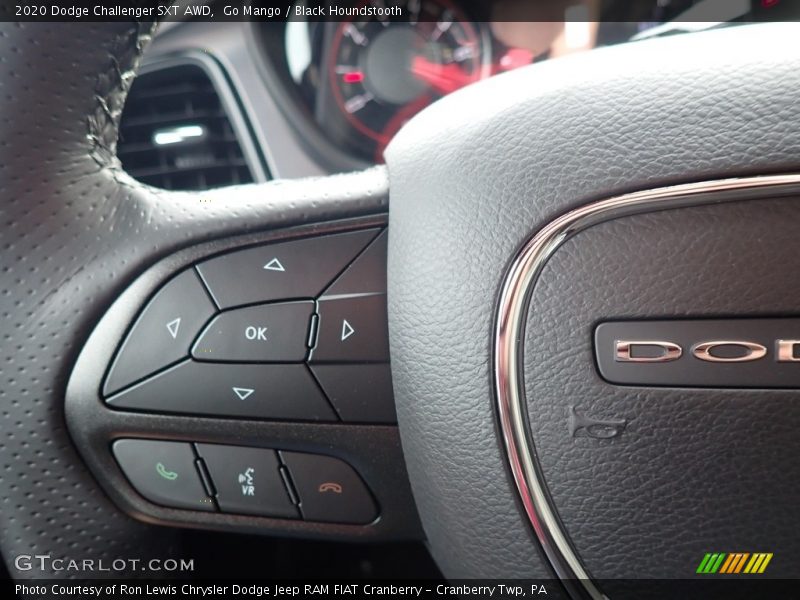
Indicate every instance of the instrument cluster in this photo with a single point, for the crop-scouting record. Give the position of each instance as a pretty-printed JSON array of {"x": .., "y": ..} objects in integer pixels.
[{"x": 363, "y": 77}]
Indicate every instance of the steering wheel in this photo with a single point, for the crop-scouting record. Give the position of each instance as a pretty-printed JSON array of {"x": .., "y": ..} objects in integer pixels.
[{"x": 538, "y": 221}]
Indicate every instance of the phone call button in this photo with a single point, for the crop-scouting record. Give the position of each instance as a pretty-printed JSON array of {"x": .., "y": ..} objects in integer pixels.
[
  {"x": 329, "y": 489},
  {"x": 163, "y": 472}
]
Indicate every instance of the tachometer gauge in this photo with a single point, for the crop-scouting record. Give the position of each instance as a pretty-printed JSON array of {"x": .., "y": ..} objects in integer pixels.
[{"x": 383, "y": 71}]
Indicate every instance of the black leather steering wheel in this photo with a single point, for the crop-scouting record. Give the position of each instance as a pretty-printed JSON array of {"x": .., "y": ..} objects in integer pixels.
[{"x": 506, "y": 481}]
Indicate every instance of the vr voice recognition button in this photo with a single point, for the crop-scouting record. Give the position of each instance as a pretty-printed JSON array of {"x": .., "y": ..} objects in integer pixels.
[{"x": 248, "y": 480}]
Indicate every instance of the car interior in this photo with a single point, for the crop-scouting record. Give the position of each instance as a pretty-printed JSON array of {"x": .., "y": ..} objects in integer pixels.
[{"x": 428, "y": 298}]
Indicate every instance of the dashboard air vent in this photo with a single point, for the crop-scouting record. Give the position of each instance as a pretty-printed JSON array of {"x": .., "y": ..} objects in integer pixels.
[{"x": 175, "y": 133}]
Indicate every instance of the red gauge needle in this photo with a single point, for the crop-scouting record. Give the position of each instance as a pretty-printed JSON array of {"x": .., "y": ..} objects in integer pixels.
[
  {"x": 353, "y": 77},
  {"x": 442, "y": 78},
  {"x": 448, "y": 78},
  {"x": 514, "y": 59}
]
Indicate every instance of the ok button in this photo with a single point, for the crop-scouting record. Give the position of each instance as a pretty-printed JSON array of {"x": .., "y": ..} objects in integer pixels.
[
  {"x": 263, "y": 333},
  {"x": 256, "y": 333}
]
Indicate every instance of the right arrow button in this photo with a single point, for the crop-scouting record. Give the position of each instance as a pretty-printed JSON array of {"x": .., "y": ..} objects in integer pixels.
[
  {"x": 347, "y": 330},
  {"x": 352, "y": 329}
]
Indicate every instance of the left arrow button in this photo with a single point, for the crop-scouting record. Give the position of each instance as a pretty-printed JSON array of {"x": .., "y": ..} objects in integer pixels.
[
  {"x": 163, "y": 332},
  {"x": 173, "y": 327}
]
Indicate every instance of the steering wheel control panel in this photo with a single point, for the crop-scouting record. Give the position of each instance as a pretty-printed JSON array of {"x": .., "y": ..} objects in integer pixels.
[
  {"x": 241, "y": 480},
  {"x": 246, "y": 385},
  {"x": 266, "y": 333}
]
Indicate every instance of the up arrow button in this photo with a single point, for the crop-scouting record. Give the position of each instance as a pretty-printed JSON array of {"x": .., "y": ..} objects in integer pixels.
[
  {"x": 274, "y": 265},
  {"x": 300, "y": 268}
]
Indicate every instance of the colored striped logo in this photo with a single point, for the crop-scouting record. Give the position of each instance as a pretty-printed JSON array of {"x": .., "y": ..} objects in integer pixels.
[{"x": 734, "y": 563}]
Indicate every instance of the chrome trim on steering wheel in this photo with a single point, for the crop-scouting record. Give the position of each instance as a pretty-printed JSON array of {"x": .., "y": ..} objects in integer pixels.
[{"x": 509, "y": 335}]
